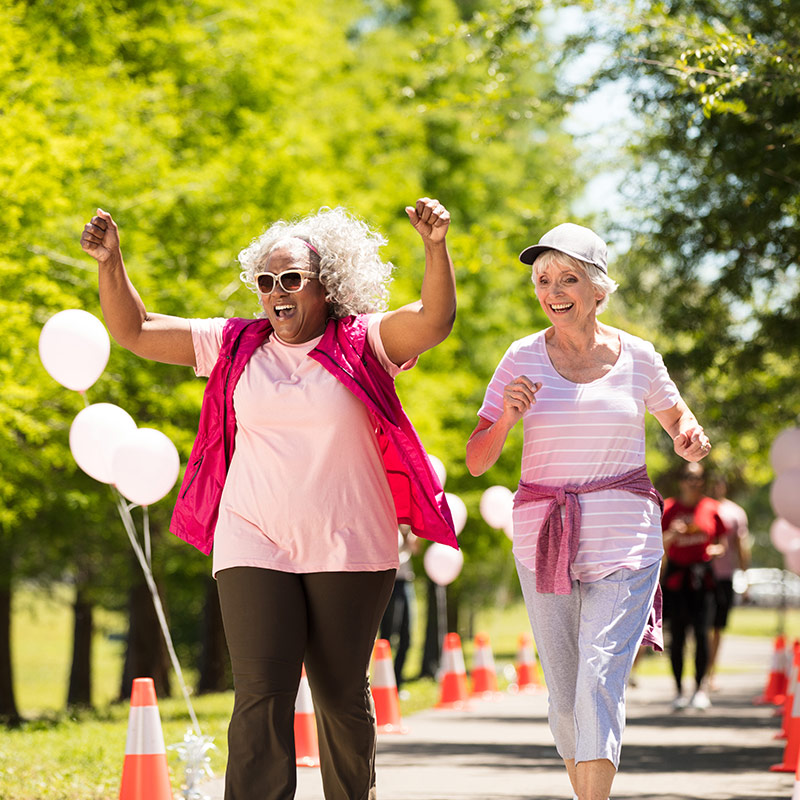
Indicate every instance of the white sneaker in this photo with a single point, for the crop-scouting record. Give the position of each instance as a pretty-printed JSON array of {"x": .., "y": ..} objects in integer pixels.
[
  {"x": 679, "y": 703},
  {"x": 700, "y": 700}
]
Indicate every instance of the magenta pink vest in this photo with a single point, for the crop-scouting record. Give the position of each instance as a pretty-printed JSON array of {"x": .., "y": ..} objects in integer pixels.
[{"x": 418, "y": 497}]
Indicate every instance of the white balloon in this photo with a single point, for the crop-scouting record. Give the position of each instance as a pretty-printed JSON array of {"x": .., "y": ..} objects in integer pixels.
[
  {"x": 784, "y": 495},
  {"x": 439, "y": 469},
  {"x": 508, "y": 529},
  {"x": 145, "y": 466},
  {"x": 443, "y": 563},
  {"x": 94, "y": 435},
  {"x": 785, "y": 451},
  {"x": 458, "y": 510},
  {"x": 784, "y": 537},
  {"x": 74, "y": 348},
  {"x": 497, "y": 505}
]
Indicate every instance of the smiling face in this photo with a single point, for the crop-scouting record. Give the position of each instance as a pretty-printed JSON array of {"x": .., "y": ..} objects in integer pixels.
[
  {"x": 566, "y": 294},
  {"x": 297, "y": 317}
]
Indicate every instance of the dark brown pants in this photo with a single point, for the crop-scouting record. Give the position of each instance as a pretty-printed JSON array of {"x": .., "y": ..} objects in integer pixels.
[{"x": 275, "y": 621}]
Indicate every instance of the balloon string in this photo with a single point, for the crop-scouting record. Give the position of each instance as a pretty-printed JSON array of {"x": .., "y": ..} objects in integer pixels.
[
  {"x": 130, "y": 529},
  {"x": 147, "y": 552}
]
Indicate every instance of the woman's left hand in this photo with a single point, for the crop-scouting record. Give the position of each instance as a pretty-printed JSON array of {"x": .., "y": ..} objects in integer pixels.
[
  {"x": 692, "y": 444},
  {"x": 430, "y": 219}
]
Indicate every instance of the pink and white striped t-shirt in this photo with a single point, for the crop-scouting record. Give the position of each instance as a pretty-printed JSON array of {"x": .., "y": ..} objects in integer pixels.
[{"x": 579, "y": 432}]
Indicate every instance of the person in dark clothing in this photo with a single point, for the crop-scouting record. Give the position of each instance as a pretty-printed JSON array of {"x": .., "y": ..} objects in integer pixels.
[{"x": 694, "y": 533}]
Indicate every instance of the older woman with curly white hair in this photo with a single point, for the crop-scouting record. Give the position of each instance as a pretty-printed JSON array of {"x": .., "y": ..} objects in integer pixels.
[
  {"x": 590, "y": 579},
  {"x": 303, "y": 466}
]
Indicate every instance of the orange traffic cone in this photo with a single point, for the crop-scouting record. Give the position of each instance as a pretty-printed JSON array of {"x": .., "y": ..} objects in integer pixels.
[
  {"x": 792, "y": 730},
  {"x": 484, "y": 674},
  {"x": 791, "y": 690},
  {"x": 777, "y": 682},
  {"x": 384, "y": 690},
  {"x": 454, "y": 674},
  {"x": 306, "y": 744},
  {"x": 145, "y": 775},
  {"x": 528, "y": 679}
]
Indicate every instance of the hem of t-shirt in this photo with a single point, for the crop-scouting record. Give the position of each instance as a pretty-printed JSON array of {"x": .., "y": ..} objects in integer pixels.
[
  {"x": 606, "y": 570},
  {"x": 305, "y": 568}
]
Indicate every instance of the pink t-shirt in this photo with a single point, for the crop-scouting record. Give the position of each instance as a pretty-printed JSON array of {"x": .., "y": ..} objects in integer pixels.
[
  {"x": 306, "y": 490},
  {"x": 579, "y": 432}
]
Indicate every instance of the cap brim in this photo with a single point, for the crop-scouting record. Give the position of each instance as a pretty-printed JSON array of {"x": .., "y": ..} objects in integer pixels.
[{"x": 529, "y": 255}]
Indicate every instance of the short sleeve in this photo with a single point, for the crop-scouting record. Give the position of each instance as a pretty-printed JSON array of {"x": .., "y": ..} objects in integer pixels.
[
  {"x": 492, "y": 406},
  {"x": 207, "y": 341},
  {"x": 663, "y": 393},
  {"x": 376, "y": 343}
]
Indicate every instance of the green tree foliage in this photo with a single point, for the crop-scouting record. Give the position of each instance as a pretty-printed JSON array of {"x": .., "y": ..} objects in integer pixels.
[
  {"x": 715, "y": 241},
  {"x": 196, "y": 125}
]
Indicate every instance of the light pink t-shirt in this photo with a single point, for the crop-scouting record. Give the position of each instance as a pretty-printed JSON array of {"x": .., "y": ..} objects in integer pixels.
[
  {"x": 306, "y": 490},
  {"x": 579, "y": 432}
]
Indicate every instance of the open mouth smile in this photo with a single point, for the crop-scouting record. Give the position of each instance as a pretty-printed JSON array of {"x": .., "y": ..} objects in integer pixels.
[
  {"x": 561, "y": 308},
  {"x": 284, "y": 310}
]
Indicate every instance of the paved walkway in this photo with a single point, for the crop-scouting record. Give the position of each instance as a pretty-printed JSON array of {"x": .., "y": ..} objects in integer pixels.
[{"x": 502, "y": 750}]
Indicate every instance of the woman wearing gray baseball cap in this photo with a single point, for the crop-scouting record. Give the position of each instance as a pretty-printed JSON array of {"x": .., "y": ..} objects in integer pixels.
[{"x": 590, "y": 579}]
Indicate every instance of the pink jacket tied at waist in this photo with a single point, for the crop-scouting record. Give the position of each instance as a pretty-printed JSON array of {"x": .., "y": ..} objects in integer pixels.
[{"x": 555, "y": 550}]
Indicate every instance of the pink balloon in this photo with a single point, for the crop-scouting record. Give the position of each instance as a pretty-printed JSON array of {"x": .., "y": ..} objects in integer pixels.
[
  {"x": 74, "y": 348},
  {"x": 497, "y": 505},
  {"x": 458, "y": 510},
  {"x": 785, "y": 451},
  {"x": 145, "y": 466},
  {"x": 439, "y": 469},
  {"x": 784, "y": 495},
  {"x": 784, "y": 537},
  {"x": 94, "y": 435},
  {"x": 442, "y": 563}
]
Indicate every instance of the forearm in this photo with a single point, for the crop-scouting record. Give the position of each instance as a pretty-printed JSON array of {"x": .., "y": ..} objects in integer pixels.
[
  {"x": 485, "y": 445},
  {"x": 438, "y": 292},
  {"x": 123, "y": 309}
]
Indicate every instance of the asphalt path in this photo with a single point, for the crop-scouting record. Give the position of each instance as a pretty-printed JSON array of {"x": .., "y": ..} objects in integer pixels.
[{"x": 501, "y": 749}]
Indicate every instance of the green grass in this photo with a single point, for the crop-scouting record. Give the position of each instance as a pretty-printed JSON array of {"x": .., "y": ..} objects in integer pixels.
[{"x": 60, "y": 756}]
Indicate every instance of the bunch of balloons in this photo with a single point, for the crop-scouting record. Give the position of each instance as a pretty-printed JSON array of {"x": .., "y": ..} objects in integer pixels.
[
  {"x": 142, "y": 463},
  {"x": 784, "y": 495}
]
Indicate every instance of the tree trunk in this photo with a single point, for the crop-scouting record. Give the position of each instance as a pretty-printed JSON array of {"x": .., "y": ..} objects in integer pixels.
[
  {"x": 8, "y": 704},
  {"x": 215, "y": 674},
  {"x": 146, "y": 653},
  {"x": 80, "y": 676}
]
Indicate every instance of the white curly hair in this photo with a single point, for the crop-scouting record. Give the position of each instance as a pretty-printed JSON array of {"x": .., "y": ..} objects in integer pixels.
[
  {"x": 355, "y": 279},
  {"x": 598, "y": 278}
]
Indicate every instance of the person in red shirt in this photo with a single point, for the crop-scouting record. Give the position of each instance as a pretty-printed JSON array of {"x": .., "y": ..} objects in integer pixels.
[{"x": 694, "y": 533}]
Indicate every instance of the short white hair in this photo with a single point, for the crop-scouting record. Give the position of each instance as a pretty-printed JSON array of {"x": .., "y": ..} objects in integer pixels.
[
  {"x": 598, "y": 278},
  {"x": 355, "y": 279}
]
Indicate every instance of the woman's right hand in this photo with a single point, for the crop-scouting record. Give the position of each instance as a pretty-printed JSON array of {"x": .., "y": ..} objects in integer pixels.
[
  {"x": 519, "y": 396},
  {"x": 100, "y": 237}
]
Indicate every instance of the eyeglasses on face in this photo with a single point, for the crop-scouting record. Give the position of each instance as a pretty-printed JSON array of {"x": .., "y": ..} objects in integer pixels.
[{"x": 290, "y": 280}]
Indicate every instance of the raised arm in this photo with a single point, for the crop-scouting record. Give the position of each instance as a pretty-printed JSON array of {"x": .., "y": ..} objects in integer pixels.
[
  {"x": 416, "y": 327},
  {"x": 487, "y": 440},
  {"x": 155, "y": 336},
  {"x": 688, "y": 438}
]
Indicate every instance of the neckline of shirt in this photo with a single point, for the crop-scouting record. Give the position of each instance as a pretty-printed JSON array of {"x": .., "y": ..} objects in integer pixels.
[{"x": 615, "y": 366}]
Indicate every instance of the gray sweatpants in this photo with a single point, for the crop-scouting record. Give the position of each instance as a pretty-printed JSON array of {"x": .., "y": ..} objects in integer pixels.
[{"x": 587, "y": 641}]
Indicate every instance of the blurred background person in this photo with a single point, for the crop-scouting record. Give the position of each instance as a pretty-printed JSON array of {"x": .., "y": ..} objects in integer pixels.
[
  {"x": 735, "y": 556},
  {"x": 694, "y": 533},
  {"x": 398, "y": 619}
]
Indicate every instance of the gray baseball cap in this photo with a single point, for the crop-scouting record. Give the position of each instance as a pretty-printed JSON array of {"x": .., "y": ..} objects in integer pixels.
[{"x": 575, "y": 241}]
